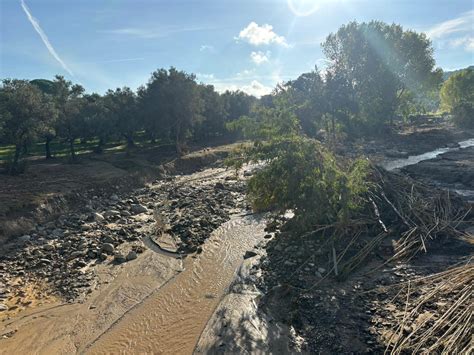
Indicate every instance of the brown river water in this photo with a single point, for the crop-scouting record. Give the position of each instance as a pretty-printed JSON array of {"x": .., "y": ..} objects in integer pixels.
[
  {"x": 171, "y": 319},
  {"x": 157, "y": 304}
]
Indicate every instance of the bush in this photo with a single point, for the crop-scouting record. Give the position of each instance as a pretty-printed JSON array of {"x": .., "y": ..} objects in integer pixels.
[
  {"x": 463, "y": 114},
  {"x": 298, "y": 173}
]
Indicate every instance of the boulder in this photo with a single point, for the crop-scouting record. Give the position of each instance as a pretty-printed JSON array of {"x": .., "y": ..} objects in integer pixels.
[
  {"x": 108, "y": 248},
  {"x": 131, "y": 255},
  {"x": 137, "y": 209},
  {"x": 119, "y": 258},
  {"x": 98, "y": 217},
  {"x": 249, "y": 254}
]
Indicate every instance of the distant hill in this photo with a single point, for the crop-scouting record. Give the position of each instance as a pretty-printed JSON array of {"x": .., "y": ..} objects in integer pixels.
[{"x": 447, "y": 74}]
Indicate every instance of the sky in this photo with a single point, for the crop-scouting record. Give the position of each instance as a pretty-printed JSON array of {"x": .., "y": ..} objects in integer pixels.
[{"x": 249, "y": 45}]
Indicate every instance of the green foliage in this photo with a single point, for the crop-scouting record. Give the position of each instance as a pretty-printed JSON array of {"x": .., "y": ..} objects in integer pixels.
[
  {"x": 213, "y": 115},
  {"x": 120, "y": 110},
  {"x": 297, "y": 172},
  {"x": 379, "y": 62},
  {"x": 458, "y": 89},
  {"x": 457, "y": 97},
  {"x": 463, "y": 114},
  {"x": 25, "y": 113},
  {"x": 171, "y": 101}
]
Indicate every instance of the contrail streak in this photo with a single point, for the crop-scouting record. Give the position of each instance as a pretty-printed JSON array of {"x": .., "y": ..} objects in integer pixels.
[{"x": 44, "y": 38}]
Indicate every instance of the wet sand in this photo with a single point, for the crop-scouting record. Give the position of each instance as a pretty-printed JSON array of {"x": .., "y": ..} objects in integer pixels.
[{"x": 68, "y": 328}]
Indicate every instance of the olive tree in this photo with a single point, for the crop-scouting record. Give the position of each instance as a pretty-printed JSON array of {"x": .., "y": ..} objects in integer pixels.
[{"x": 25, "y": 112}]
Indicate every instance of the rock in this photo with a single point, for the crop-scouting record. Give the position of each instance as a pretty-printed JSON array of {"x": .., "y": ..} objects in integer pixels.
[
  {"x": 321, "y": 270},
  {"x": 24, "y": 239},
  {"x": 98, "y": 217},
  {"x": 86, "y": 227},
  {"x": 108, "y": 239},
  {"x": 119, "y": 258},
  {"x": 249, "y": 254},
  {"x": 219, "y": 185},
  {"x": 57, "y": 233},
  {"x": 114, "y": 198},
  {"x": 102, "y": 256},
  {"x": 81, "y": 263},
  {"x": 76, "y": 254},
  {"x": 108, "y": 248},
  {"x": 131, "y": 255},
  {"x": 3, "y": 307},
  {"x": 137, "y": 209},
  {"x": 111, "y": 214},
  {"x": 48, "y": 247}
]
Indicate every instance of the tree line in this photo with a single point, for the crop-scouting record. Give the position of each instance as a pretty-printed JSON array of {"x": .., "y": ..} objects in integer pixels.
[
  {"x": 376, "y": 73},
  {"x": 172, "y": 106}
]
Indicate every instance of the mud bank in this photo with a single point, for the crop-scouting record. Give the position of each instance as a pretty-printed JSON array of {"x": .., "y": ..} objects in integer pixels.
[{"x": 453, "y": 170}]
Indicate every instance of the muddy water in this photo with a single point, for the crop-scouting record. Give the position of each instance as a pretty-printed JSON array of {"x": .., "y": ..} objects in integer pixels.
[
  {"x": 171, "y": 320},
  {"x": 415, "y": 159}
]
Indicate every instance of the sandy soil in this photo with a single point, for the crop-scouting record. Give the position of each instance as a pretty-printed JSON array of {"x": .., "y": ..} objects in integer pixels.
[{"x": 59, "y": 328}]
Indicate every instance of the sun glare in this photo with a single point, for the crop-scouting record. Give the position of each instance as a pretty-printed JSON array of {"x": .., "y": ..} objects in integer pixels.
[{"x": 304, "y": 7}]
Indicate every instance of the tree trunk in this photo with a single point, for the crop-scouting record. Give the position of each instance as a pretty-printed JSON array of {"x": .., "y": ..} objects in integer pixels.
[
  {"x": 333, "y": 123},
  {"x": 71, "y": 149},
  {"x": 130, "y": 142},
  {"x": 16, "y": 158},
  {"x": 47, "y": 147},
  {"x": 100, "y": 146},
  {"x": 179, "y": 149}
]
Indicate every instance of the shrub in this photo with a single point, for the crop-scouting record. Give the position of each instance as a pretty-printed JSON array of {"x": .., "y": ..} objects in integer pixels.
[{"x": 463, "y": 114}]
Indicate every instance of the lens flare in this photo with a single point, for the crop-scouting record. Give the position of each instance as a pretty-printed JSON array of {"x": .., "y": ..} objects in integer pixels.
[{"x": 304, "y": 7}]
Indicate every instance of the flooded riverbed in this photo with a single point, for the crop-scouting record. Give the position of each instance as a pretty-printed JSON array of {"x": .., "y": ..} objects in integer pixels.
[
  {"x": 415, "y": 159},
  {"x": 172, "y": 319}
]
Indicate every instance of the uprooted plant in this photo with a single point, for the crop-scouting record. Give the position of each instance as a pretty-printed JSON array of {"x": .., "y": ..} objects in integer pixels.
[
  {"x": 340, "y": 201},
  {"x": 439, "y": 312}
]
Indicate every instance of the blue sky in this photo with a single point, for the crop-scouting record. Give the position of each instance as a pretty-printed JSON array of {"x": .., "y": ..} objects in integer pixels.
[{"x": 250, "y": 45}]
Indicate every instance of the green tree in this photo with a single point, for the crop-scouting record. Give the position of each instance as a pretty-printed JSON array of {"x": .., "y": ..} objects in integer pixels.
[
  {"x": 457, "y": 97},
  {"x": 98, "y": 120},
  {"x": 122, "y": 106},
  {"x": 297, "y": 172},
  {"x": 380, "y": 62},
  {"x": 49, "y": 131},
  {"x": 25, "y": 112},
  {"x": 306, "y": 94},
  {"x": 213, "y": 114},
  {"x": 69, "y": 101},
  {"x": 171, "y": 102}
]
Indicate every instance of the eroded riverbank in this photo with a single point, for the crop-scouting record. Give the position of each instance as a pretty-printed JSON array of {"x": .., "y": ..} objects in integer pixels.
[
  {"x": 111, "y": 290},
  {"x": 161, "y": 303}
]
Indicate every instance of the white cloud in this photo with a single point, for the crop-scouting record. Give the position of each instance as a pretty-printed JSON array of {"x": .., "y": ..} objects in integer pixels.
[
  {"x": 44, "y": 38},
  {"x": 466, "y": 42},
  {"x": 259, "y": 57},
  {"x": 204, "y": 76},
  {"x": 150, "y": 33},
  {"x": 261, "y": 35},
  {"x": 207, "y": 48},
  {"x": 256, "y": 88},
  {"x": 462, "y": 23},
  {"x": 245, "y": 72},
  {"x": 121, "y": 60}
]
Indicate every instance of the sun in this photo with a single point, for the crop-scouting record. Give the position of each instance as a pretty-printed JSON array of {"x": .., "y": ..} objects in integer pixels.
[{"x": 303, "y": 7}]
